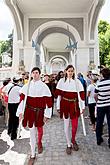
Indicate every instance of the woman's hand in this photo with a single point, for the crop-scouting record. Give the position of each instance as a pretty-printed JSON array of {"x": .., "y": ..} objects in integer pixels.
[
  {"x": 58, "y": 110},
  {"x": 82, "y": 111}
]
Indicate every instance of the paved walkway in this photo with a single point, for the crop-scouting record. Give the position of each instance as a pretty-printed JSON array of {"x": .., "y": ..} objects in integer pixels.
[{"x": 17, "y": 152}]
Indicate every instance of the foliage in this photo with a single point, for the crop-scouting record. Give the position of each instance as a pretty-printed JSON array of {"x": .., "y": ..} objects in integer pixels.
[
  {"x": 3, "y": 48},
  {"x": 104, "y": 42},
  {"x": 102, "y": 27},
  {"x": 6, "y": 46},
  {"x": 10, "y": 50}
]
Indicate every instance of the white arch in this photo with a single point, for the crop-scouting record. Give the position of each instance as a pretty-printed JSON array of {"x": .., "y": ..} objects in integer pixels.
[
  {"x": 95, "y": 3},
  {"x": 60, "y": 24},
  {"x": 92, "y": 14},
  {"x": 15, "y": 14},
  {"x": 58, "y": 56}
]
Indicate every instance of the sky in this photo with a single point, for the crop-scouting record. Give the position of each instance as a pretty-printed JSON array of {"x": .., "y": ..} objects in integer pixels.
[
  {"x": 105, "y": 11},
  {"x": 6, "y": 20}
]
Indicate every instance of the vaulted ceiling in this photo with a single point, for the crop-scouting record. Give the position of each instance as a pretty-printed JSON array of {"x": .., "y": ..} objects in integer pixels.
[
  {"x": 54, "y": 6},
  {"x": 56, "y": 41}
]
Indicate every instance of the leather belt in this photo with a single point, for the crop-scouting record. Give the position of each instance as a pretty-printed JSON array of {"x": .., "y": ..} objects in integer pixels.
[
  {"x": 70, "y": 100},
  {"x": 34, "y": 108}
]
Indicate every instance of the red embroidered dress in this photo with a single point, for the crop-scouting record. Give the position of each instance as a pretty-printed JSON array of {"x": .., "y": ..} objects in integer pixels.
[
  {"x": 67, "y": 100},
  {"x": 38, "y": 105}
]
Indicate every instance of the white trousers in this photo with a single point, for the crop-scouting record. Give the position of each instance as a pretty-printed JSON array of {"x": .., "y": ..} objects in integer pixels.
[
  {"x": 33, "y": 139},
  {"x": 67, "y": 131}
]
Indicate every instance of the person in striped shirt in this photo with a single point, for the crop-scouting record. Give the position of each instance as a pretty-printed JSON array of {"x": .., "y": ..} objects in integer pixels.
[{"x": 102, "y": 95}]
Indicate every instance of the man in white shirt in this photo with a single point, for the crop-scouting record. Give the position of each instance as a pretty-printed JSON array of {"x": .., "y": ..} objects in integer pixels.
[
  {"x": 38, "y": 109},
  {"x": 12, "y": 90},
  {"x": 92, "y": 101}
]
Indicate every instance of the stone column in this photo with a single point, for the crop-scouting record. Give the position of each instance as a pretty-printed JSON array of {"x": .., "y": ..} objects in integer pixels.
[
  {"x": 38, "y": 60},
  {"x": 37, "y": 53}
]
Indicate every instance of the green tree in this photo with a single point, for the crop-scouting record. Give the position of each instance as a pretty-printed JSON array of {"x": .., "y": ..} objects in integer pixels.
[
  {"x": 107, "y": 37},
  {"x": 102, "y": 27},
  {"x": 103, "y": 49},
  {"x": 104, "y": 42},
  {"x": 4, "y": 46},
  {"x": 10, "y": 49},
  {"x": 7, "y": 46}
]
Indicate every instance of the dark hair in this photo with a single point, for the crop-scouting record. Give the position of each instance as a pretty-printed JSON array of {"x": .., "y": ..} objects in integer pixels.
[
  {"x": 5, "y": 82},
  {"x": 46, "y": 75},
  {"x": 58, "y": 77},
  {"x": 36, "y": 68},
  {"x": 68, "y": 67},
  {"x": 106, "y": 73}
]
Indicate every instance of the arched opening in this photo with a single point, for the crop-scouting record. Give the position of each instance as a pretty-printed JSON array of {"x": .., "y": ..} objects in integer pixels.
[
  {"x": 57, "y": 63},
  {"x": 53, "y": 41}
]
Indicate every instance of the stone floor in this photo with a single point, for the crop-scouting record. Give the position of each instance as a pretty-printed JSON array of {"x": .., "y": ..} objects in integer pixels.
[{"x": 17, "y": 152}]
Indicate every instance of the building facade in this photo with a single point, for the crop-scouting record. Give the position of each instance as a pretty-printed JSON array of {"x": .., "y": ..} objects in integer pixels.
[{"x": 51, "y": 26}]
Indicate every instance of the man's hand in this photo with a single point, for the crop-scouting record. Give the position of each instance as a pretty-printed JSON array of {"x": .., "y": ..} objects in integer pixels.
[
  {"x": 20, "y": 117},
  {"x": 96, "y": 97},
  {"x": 45, "y": 119}
]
